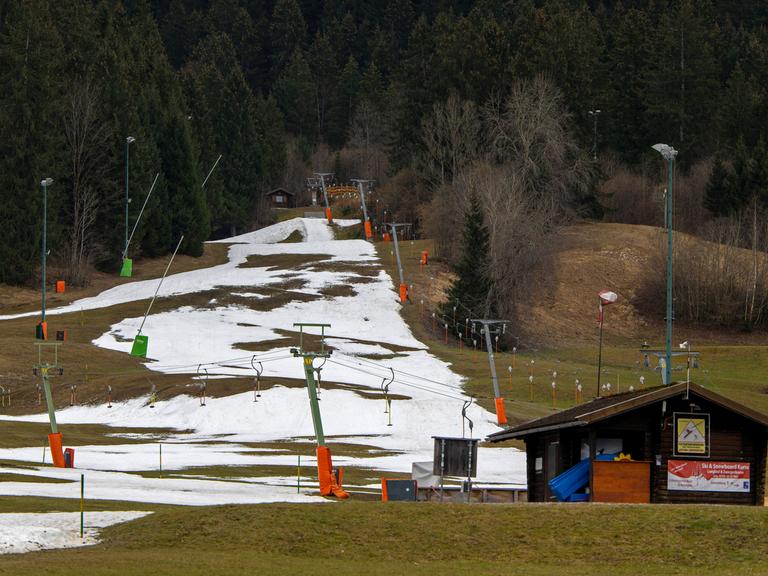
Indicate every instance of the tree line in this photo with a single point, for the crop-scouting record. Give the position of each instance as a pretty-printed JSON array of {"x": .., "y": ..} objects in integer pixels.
[{"x": 364, "y": 88}]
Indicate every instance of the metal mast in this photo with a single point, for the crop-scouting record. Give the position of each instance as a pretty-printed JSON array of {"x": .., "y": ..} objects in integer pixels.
[
  {"x": 403, "y": 286},
  {"x": 322, "y": 176},
  {"x": 366, "y": 221},
  {"x": 487, "y": 326}
]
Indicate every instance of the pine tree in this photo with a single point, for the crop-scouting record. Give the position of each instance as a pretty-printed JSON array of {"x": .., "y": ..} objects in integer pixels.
[
  {"x": 287, "y": 33},
  {"x": 224, "y": 116},
  {"x": 469, "y": 292},
  {"x": 294, "y": 91},
  {"x": 717, "y": 196},
  {"x": 31, "y": 60}
]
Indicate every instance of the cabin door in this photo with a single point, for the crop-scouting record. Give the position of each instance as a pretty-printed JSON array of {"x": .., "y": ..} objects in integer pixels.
[{"x": 551, "y": 465}]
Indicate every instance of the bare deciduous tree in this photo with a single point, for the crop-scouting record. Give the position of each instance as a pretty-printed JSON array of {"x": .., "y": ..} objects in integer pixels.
[
  {"x": 452, "y": 138},
  {"x": 529, "y": 181},
  {"x": 367, "y": 142},
  {"x": 717, "y": 280},
  {"x": 87, "y": 139},
  {"x": 528, "y": 131}
]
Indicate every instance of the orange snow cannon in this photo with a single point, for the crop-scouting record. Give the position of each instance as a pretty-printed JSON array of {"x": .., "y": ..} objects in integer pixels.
[
  {"x": 329, "y": 484},
  {"x": 501, "y": 414}
]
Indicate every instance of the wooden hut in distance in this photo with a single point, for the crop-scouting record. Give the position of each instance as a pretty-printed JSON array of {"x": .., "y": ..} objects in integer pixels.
[
  {"x": 687, "y": 444},
  {"x": 281, "y": 198}
]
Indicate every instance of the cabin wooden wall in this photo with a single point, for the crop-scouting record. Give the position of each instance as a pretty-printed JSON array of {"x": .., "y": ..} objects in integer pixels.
[
  {"x": 648, "y": 434},
  {"x": 732, "y": 439}
]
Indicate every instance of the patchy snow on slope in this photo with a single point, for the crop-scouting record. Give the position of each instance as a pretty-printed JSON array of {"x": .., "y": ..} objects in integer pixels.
[
  {"x": 318, "y": 236},
  {"x": 428, "y": 394},
  {"x": 100, "y": 485},
  {"x": 28, "y": 532}
]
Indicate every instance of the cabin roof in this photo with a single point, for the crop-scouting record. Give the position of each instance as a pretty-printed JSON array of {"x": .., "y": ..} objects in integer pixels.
[
  {"x": 281, "y": 190},
  {"x": 609, "y": 406}
]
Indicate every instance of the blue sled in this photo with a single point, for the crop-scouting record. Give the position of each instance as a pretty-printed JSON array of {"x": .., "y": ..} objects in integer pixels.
[{"x": 566, "y": 486}]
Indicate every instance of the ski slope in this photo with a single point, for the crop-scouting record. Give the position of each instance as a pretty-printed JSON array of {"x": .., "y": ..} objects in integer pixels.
[{"x": 371, "y": 341}]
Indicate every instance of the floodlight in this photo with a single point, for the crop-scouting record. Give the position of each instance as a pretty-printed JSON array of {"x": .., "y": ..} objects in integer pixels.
[{"x": 665, "y": 150}]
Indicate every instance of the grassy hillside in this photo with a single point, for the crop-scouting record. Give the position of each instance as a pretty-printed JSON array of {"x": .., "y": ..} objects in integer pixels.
[{"x": 561, "y": 318}]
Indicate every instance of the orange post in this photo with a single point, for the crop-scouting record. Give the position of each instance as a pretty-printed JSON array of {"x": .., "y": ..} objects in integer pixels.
[
  {"x": 501, "y": 414},
  {"x": 368, "y": 231},
  {"x": 328, "y": 215},
  {"x": 60, "y": 286},
  {"x": 424, "y": 258},
  {"x": 55, "y": 441}
]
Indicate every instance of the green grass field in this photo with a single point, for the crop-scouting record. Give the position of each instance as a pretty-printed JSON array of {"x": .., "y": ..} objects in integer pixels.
[{"x": 355, "y": 538}]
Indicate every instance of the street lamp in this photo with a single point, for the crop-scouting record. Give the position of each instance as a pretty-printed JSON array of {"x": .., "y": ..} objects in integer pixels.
[
  {"x": 127, "y": 266},
  {"x": 594, "y": 114},
  {"x": 668, "y": 153},
  {"x": 605, "y": 298},
  {"x": 687, "y": 346},
  {"x": 42, "y": 333},
  {"x": 128, "y": 141}
]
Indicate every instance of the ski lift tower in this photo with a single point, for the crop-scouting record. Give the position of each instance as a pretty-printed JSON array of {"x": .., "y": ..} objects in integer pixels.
[
  {"x": 330, "y": 483},
  {"x": 45, "y": 370},
  {"x": 366, "y": 221},
  {"x": 322, "y": 176},
  {"x": 403, "y": 285},
  {"x": 499, "y": 327}
]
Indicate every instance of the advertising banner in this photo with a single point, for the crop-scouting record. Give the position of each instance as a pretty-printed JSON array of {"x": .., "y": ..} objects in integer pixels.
[{"x": 704, "y": 476}]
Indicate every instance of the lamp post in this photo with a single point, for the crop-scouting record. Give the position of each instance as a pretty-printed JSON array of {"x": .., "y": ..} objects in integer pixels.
[
  {"x": 668, "y": 153},
  {"x": 128, "y": 142},
  {"x": 594, "y": 114},
  {"x": 44, "y": 249}
]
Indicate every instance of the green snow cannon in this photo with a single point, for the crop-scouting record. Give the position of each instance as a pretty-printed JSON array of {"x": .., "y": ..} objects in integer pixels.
[
  {"x": 127, "y": 270},
  {"x": 140, "y": 344}
]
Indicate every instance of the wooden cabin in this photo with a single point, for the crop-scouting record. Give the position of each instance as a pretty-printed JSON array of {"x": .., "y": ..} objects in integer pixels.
[
  {"x": 281, "y": 198},
  {"x": 672, "y": 444}
]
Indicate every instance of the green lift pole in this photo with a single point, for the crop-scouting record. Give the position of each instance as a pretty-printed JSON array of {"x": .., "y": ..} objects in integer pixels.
[
  {"x": 42, "y": 332},
  {"x": 668, "y": 153},
  {"x": 309, "y": 374},
  {"x": 49, "y": 398},
  {"x": 43, "y": 369},
  {"x": 330, "y": 483}
]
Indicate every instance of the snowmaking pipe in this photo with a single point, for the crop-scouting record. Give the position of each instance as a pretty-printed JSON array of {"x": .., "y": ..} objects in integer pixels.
[
  {"x": 149, "y": 308},
  {"x": 128, "y": 242},
  {"x": 211, "y": 171}
]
